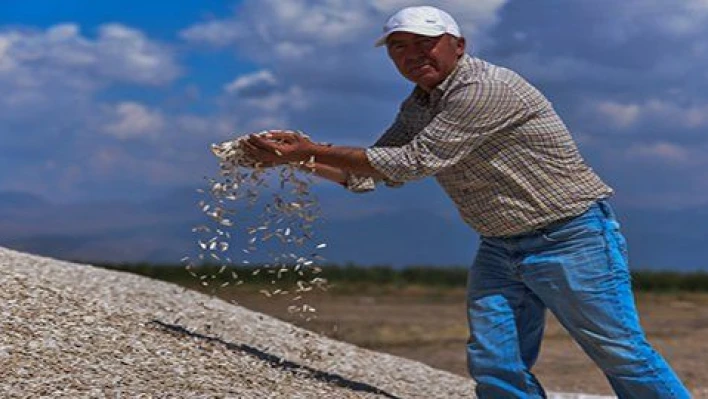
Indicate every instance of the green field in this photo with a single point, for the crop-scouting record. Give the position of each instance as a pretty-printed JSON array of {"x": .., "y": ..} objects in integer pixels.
[{"x": 353, "y": 277}]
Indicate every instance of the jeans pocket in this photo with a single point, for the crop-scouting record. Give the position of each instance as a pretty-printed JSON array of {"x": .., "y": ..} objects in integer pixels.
[{"x": 567, "y": 233}]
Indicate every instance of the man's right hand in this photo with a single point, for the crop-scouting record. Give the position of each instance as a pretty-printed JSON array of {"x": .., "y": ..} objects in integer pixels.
[{"x": 277, "y": 147}]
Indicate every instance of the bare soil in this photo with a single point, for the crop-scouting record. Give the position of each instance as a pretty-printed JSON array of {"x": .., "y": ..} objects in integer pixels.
[{"x": 429, "y": 325}]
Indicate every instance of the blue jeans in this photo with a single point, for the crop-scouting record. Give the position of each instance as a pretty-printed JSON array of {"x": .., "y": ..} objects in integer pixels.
[{"x": 578, "y": 270}]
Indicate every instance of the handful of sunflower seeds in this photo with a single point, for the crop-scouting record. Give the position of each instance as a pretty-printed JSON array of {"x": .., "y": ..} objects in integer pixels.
[
  {"x": 285, "y": 225},
  {"x": 231, "y": 153}
]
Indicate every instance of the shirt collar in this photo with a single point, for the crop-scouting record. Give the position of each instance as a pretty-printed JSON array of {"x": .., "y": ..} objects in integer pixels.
[{"x": 445, "y": 84}]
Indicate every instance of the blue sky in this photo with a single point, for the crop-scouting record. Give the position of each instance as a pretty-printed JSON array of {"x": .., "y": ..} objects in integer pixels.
[{"x": 120, "y": 99}]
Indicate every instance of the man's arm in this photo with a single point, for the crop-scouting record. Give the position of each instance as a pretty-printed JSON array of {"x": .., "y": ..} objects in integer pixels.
[
  {"x": 327, "y": 172},
  {"x": 471, "y": 113},
  {"x": 279, "y": 147},
  {"x": 350, "y": 159},
  {"x": 396, "y": 135}
]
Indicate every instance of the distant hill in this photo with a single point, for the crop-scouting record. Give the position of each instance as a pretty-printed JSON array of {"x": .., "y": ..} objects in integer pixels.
[
  {"x": 359, "y": 229},
  {"x": 20, "y": 200}
]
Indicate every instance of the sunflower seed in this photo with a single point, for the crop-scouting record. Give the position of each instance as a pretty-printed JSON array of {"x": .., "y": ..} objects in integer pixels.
[{"x": 293, "y": 209}]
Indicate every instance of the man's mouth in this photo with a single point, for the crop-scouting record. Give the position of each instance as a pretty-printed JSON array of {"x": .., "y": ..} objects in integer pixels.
[{"x": 418, "y": 68}]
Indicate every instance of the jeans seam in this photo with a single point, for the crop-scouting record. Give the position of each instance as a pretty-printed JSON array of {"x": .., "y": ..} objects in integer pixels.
[
  {"x": 526, "y": 369},
  {"x": 618, "y": 307}
]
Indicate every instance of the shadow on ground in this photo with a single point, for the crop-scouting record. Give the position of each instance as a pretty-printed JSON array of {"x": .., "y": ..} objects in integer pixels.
[{"x": 276, "y": 361}]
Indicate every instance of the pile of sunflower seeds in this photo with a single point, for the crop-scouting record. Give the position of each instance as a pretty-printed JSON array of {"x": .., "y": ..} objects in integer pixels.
[
  {"x": 76, "y": 331},
  {"x": 286, "y": 221}
]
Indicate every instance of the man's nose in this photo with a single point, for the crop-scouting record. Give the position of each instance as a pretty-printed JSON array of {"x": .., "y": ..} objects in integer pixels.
[
  {"x": 415, "y": 59},
  {"x": 415, "y": 50},
  {"x": 414, "y": 53}
]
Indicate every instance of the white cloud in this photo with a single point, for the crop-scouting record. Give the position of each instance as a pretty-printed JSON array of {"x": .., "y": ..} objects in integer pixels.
[
  {"x": 216, "y": 33},
  {"x": 126, "y": 54},
  {"x": 311, "y": 49},
  {"x": 299, "y": 28},
  {"x": 621, "y": 115},
  {"x": 272, "y": 22},
  {"x": 613, "y": 44},
  {"x": 319, "y": 70},
  {"x": 560, "y": 68},
  {"x": 53, "y": 110},
  {"x": 57, "y": 72},
  {"x": 663, "y": 152},
  {"x": 60, "y": 57},
  {"x": 678, "y": 18},
  {"x": 691, "y": 116},
  {"x": 685, "y": 17},
  {"x": 250, "y": 81},
  {"x": 5, "y": 43},
  {"x": 629, "y": 115},
  {"x": 292, "y": 98},
  {"x": 133, "y": 120},
  {"x": 111, "y": 163},
  {"x": 261, "y": 97}
]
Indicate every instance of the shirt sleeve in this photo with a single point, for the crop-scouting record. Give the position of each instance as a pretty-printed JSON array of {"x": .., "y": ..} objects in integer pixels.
[
  {"x": 396, "y": 135},
  {"x": 469, "y": 114}
]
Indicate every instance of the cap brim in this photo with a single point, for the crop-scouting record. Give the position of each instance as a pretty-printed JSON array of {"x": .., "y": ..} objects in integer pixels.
[{"x": 417, "y": 30}]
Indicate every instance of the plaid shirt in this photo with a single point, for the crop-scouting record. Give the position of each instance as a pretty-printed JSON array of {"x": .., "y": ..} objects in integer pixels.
[{"x": 495, "y": 145}]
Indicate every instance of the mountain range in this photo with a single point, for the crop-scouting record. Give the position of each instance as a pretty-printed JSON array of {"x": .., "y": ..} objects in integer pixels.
[{"x": 383, "y": 230}]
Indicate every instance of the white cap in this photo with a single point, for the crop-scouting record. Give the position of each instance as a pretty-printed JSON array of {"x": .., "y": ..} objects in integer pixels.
[{"x": 422, "y": 20}]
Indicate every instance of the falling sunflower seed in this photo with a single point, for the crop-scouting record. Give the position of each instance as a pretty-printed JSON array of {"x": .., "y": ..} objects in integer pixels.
[{"x": 289, "y": 214}]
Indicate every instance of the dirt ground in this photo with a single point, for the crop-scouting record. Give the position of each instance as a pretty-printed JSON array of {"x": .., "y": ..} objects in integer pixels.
[{"x": 429, "y": 325}]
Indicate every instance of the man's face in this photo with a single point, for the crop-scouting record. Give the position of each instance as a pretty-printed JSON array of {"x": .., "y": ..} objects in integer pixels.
[{"x": 424, "y": 60}]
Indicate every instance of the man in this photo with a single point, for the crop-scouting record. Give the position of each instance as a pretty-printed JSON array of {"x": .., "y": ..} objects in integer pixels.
[{"x": 549, "y": 238}]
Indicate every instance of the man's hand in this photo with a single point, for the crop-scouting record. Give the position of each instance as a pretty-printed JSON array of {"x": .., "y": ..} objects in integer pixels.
[{"x": 277, "y": 147}]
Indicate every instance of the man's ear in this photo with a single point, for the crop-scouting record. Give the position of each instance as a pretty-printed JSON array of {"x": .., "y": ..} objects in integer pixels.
[{"x": 460, "y": 46}]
